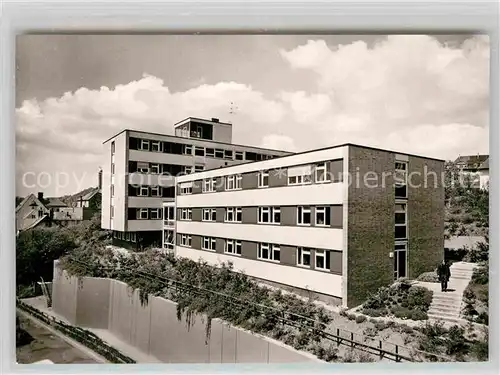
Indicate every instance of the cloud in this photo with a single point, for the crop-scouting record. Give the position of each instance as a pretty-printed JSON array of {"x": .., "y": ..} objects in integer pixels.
[{"x": 407, "y": 93}]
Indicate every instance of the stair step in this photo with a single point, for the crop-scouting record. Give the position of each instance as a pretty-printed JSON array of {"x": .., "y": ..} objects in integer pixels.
[
  {"x": 456, "y": 306},
  {"x": 446, "y": 319},
  {"x": 444, "y": 314},
  {"x": 439, "y": 311},
  {"x": 446, "y": 297}
]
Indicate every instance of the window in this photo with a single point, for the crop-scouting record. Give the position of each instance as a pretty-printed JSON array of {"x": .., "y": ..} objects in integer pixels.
[
  {"x": 144, "y": 145},
  {"x": 400, "y": 261},
  {"x": 321, "y": 173},
  {"x": 238, "y": 155},
  {"x": 269, "y": 252},
  {"x": 219, "y": 153},
  {"x": 186, "y": 214},
  {"x": 186, "y": 240},
  {"x": 263, "y": 178},
  {"x": 209, "y": 185},
  {"x": 143, "y": 191},
  {"x": 113, "y": 148},
  {"x": 228, "y": 154},
  {"x": 323, "y": 216},
  {"x": 133, "y": 237},
  {"x": 198, "y": 168},
  {"x": 156, "y": 146},
  {"x": 269, "y": 215},
  {"x": 233, "y": 214},
  {"x": 303, "y": 215},
  {"x": 304, "y": 257},
  {"x": 40, "y": 213},
  {"x": 155, "y": 168},
  {"x": 186, "y": 188},
  {"x": 210, "y": 152},
  {"x": 143, "y": 213},
  {"x": 400, "y": 180},
  {"x": 112, "y": 190},
  {"x": 233, "y": 247},
  {"x": 112, "y": 211},
  {"x": 188, "y": 169},
  {"x": 155, "y": 191},
  {"x": 322, "y": 260},
  {"x": 299, "y": 175},
  {"x": 400, "y": 221},
  {"x": 127, "y": 236},
  {"x": 233, "y": 182},
  {"x": 112, "y": 168},
  {"x": 209, "y": 243},
  {"x": 188, "y": 150},
  {"x": 142, "y": 167},
  {"x": 199, "y": 151},
  {"x": 209, "y": 214}
]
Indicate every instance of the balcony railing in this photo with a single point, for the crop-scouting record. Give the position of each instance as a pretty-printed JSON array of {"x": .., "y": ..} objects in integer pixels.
[{"x": 168, "y": 222}]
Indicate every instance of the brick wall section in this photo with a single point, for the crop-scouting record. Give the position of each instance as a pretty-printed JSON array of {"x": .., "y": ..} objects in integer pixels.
[
  {"x": 425, "y": 216},
  {"x": 370, "y": 224}
]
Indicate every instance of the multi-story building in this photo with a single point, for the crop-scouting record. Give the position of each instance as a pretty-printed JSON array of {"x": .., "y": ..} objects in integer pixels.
[
  {"x": 338, "y": 222},
  {"x": 139, "y": 172}
]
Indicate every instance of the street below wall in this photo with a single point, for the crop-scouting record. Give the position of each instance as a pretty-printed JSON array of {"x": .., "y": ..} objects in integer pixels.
[{"x": 47, "y": 345}]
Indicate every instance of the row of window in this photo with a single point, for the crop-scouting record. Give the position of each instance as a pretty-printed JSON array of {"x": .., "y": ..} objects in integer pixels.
[
  {"x": 186, "y": 149},
  {"x": 266, "y": 215},
  {"x": 234, "y": 182},
  {"x": 159, "y": 168},
  {"x": 125, "y": 236},
  {"x": 265, "y": 251},
  {"x": 145, "y": 213},
  {"x": 150, "y": 191},
  {"x": 401, "y": 179}
]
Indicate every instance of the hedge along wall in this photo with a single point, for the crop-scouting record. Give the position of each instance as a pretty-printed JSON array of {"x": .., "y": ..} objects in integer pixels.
[{"x": 154, "y": 328}]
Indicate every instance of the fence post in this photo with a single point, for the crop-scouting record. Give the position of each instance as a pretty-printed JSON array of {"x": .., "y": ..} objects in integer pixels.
[
  {"x": 397, "y": 356},
  {"x": 380, "y": 347},
  {"x": 352, "y": 339},
  {"x": 338, "y": 336}
]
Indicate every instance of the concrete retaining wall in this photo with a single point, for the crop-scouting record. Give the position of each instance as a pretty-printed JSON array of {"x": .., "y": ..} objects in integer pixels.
[{"x": 154, "y": 329}]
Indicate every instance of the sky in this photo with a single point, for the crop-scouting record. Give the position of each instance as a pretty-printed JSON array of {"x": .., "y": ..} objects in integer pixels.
[{"x": 419, "y": 94}]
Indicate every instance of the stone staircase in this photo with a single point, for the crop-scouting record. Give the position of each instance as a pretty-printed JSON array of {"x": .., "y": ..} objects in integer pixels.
[{"x": 446, "y": 306}]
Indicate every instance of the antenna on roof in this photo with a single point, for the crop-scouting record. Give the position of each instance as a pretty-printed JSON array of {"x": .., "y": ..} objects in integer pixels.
[{"x": 232, "y": 110}]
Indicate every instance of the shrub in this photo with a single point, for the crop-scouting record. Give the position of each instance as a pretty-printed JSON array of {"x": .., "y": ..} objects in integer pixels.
[
  {"x": 455, "y": 343},
  {"x": 428, "y": 277},
  {"x": 330, "y": 354},
  {"x": 419, "y": 297},
  {"x": 351, "y": 316},
  {"x": 479, "y": 349},
  {"x": 480, "y": 275},
  {"x": 482, "y": 318},
  {"x": 360, "y": 319},
  {"x": 375, "y": 312},
  {"x": 402, "y": 312},
  {"x": 380, "y": 326},
  {"x": 419, "y": 315}
]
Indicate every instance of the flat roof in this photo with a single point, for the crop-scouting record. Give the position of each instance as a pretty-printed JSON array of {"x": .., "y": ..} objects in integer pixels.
[
  {"x": 201, "y": 140},
  {"x": 201, "y": 119},
  {"x": 321, "y": 149}
]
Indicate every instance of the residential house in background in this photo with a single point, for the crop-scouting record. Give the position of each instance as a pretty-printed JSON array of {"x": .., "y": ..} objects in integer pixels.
[
  {"x": 300, "y": 222},
  {"x": 30, "y": 212},
  {"x": 476, "y": 167},
  {"x": 139, "y": 173}
]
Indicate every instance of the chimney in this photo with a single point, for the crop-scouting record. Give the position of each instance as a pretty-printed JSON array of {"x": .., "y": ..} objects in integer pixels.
[
  {"x": 214, "y": 119},
  {"x": 40, "y": 196},
  {"x": 99, "y": 179}
]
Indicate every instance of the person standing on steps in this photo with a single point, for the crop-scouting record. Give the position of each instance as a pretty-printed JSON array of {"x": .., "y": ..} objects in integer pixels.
[{"x": 443, "y": 272}]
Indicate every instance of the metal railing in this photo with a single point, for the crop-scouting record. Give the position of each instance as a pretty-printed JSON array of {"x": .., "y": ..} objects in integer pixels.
[{"x": 382, "y": 348}]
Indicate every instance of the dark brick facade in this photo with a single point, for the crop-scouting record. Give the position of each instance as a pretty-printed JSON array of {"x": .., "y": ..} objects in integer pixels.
[
  {"x": 370, "y": 223},
  {"x": 425, "y": 215}
]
